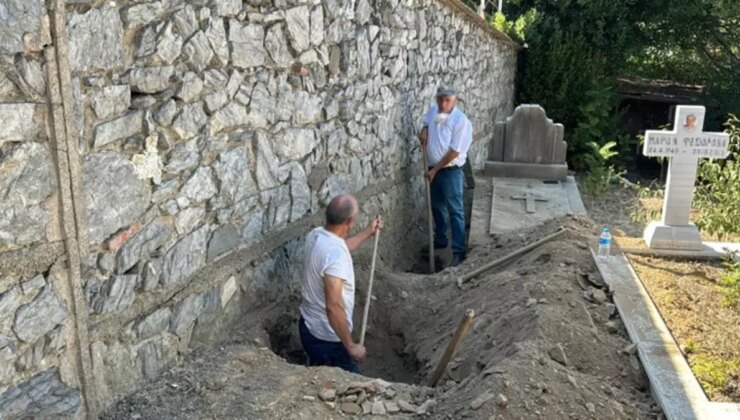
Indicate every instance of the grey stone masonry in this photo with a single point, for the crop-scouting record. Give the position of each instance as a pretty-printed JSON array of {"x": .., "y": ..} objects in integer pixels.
[{"x": 164, "y": 147}]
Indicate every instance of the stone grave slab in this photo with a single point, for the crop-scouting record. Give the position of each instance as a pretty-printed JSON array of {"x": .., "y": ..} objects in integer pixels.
[{"x": 519, "y": 203}]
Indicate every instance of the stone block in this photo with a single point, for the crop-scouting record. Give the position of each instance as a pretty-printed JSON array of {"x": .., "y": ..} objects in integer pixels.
[
  {"x": 233, "y": 173},
  {"x": 190, "y": 121},
  {"x": 661, "y": 236},
  {"x": 224, "y": 239},
  {"x": 226, "y": 7},
  {"x": 156, "y": 355},
  {"x": 197, "y": 52},
  {"x": 27, "y": 178},
  {"x": 277, "y": 46},
  {"x": 9, "y": 302},
  {"x": 110, "y": 101},
  {"x": 184, "y": 315},
  {"x": 150, "y": 79},
  {"x": 33, "y": 285},
  {"x": 17, "y": 122},
  {"x": 248, "y": 49},
  {"x": 200, "y": 186},
  {"x": 185, "y": 257},
  {"x": 42, "y": 396},
  {"x": 33, "y": 320},
  {"x": 120, "y": 128},
  {"x": 141, "y": 246},
  {"x": 297, "y": 22},
  {"x": 216, "y": 34},
  {"x": 117, "y": 294},
  {"x": 95, "y": 40},
  {"x": 185, "y": 21},
  {"x": 183, "y": 157},
  {"x": 153, "y": 324},
  {"x": 114, "y": 196},
  {"x": 25, "y": 26}
]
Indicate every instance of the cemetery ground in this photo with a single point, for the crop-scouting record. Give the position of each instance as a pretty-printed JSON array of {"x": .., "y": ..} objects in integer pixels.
[
  {"x": 546, "y": 342},
  {"x": 701, "y": 308}
]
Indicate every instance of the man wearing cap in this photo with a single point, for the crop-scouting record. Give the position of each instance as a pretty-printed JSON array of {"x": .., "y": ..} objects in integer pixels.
[{"x": 446, "y": 136}]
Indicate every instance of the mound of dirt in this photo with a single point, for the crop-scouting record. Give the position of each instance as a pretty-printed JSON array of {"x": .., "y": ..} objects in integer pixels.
[{"x": 545, "y": 343}]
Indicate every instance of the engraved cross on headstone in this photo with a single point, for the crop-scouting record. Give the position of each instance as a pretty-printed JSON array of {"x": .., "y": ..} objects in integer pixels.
[
  {"x": 684, "y": 145},
  {"x": 529, "y": 200}
]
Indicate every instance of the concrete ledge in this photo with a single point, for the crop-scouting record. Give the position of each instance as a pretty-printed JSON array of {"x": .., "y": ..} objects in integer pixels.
[
  {"x": 709, "y": 250},
  {"x": 672, "y": 383},
  {"x": 527, "y": 170}
]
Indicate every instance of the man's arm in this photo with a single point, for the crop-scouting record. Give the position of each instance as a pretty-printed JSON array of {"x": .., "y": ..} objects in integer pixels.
[
  {"x": 354, "y": 242},
  {"x": 333, "y": 287}
]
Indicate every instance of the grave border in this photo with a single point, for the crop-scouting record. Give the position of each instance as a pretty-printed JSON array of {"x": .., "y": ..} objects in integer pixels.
[{"x": 672, "y": 382}]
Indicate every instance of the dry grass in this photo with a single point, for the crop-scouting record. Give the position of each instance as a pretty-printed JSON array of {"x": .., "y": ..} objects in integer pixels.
[{"x": 690, "y": 299}]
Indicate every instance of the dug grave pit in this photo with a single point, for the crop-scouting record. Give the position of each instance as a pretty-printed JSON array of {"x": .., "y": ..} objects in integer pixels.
[{"x": 542, "y": 345}]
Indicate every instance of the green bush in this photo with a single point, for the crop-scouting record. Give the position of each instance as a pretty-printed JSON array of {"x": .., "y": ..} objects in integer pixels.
[{"x": 718, "y": 190}]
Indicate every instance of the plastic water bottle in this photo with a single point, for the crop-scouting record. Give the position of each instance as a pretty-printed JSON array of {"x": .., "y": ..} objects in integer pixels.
[{"x": 605, "y": 244}]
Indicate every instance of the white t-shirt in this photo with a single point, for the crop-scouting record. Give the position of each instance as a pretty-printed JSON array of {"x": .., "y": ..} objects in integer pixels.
[
  {"x": 326, "y": 254},
  {"x": 447, "y": 131}
]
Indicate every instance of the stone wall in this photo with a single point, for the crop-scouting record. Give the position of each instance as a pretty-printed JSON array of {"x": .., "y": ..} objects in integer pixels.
[{"x": 160, "y": 162}]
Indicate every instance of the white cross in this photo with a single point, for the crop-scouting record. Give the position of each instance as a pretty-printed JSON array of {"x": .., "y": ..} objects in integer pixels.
[
  {"x": 529, "y": 199},
  {"x": 684, "y": 145}
]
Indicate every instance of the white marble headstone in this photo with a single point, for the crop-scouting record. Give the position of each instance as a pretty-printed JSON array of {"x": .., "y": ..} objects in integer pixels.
[{"x": 683, "y": 146}]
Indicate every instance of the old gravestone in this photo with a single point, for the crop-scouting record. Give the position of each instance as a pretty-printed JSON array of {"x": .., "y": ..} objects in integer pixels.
[
  {"x": 684, "y": 145},
  {"x": 530, "y": 176},
  {"x": 528, "y": 145}
]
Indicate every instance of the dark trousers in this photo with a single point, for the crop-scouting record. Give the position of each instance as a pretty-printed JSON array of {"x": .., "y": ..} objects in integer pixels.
[
  {"x": 447, "y": 207},
  {"x": 325, "y": 353}
]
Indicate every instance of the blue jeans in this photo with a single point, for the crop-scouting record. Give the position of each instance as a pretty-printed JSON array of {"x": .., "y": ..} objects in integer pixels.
[
  {"x": 325, "y": 353},
  {"x": 447, "y": 200}
]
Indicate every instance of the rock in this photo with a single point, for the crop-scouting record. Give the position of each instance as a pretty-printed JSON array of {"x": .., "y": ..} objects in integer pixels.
[
  {"x": 378, "y": 409},
  {"x": 300, "y": 193},
  {"x": 154, "y": 324},
  {"x": 228, "y": 290},
  {"x": 95, "y": 40},
  {"x": 42, "y": 396},
  {"x": 392, "y": 407},
  {"x": 190, "y": 87},
  {"x": 31, "y": 286},
  {"x": 599, "y": 296},
  {"x": 558, "y": 354},
  {"x": 190, "y": 120},
  {"x": 297, "y": 22},
  {"x": 141, "y": 14},
  {"x": 226, "y": 7},
  {"x": 404, "y": 295},
  {"x": 531, "y": 302},
  {"x": 185, "y": 21},
  {"x": 197, "y": 52},
  {"x": 309, "y": 398},
  {"x": 9, "y": 301},
  {"x": 150, "y": 79},
  {"x": 114, "y": 195},
  {"x": 425, "y": 407},
  {"x": 166, "y": 113},
  {"x": 233, "y": 173},
  {"x": 156, "y": 355},
  {"x": 501, "y": 400},
  {"x": 117, "y": 294},
  {"x": 247, "y": 45},
  {"x": 277, "y": 47},
  {"x": 25, "y": 26},
  {"x": 362, "y": 12},
  {"x": 27, "y": 178},
  {"x": 141, "y": 246},
  {"x": 294, "y": 144},
  {"x": 363, "y": 54},
  {"x": 630, "y": 349},
  {"x": 120, "y": 128},
  {"x": 185, "y": 314},
  {"x": 189, "y": 219},
  {"x": 229, "y": 117},
  {"x": 183, "y": 157},
  {"x": 151, "y": 274},
  {"x": 328, "y": 394},
  {"x": 367, "y": 407},
  {"x": 216, "y": 34},
  {"x": 481, "y": 399},
  {"x": 611, "y": 327},
  {"x": 317, "y": 26},
  {"x": 167, "y": 47},
  {"x": 307, "y": 109},
  {"x": 29, "y": 77},
  {"x": 17, "y": 122},
  {"x": 350, "y": 408},
  {"x": 200, "y": 186},
  {"x": 572, "y": 381},
  {"x": 33, "y": 320},
  {"x": 407, "y": 407},
  {"x": 225, "y": 238},
  {"x": 591, "y": 407},
  {"x": 185, "y": 257},
  {"x": 110, "y": 101}
]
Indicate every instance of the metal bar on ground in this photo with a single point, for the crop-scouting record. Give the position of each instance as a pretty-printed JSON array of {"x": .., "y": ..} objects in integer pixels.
[
  {"x": 430, "y": 218},
  {"x": 505, "y": 258},
  {"x": 369, "y": 290}
]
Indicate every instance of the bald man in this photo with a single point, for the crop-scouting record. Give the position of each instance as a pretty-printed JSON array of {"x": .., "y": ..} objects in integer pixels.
[{"x": 328, "y": 288}]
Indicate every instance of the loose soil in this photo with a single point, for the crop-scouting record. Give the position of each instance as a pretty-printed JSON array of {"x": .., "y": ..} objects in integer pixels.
[
  {"x": 540, "y": 347},
  {"x": 688, "y": 297}
]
